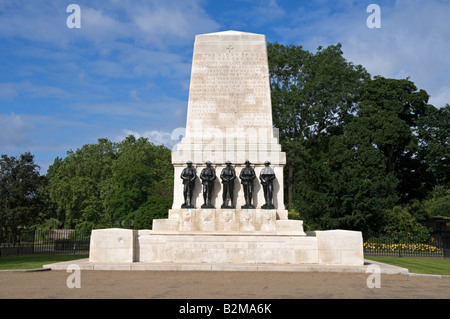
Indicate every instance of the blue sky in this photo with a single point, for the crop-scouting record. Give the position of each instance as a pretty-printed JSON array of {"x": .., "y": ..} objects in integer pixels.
[{"x": 127, "y": 69}]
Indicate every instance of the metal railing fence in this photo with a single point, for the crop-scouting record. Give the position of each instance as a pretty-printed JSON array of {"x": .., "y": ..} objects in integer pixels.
[
  {"x": 435, "y": 246},
  {"x": 55, "y": 241}
]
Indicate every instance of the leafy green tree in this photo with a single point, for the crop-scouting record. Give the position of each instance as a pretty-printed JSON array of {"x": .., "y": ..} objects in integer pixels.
[
  {"x": 313, "y": 96},
  {"x": 20, "y": 198},
  {"x": 352, "y": 142},
  {"x": 331, "y": 180},
  {"x": 439, "y": 202},
  {"x": 75, "y": 184},
  {"x": 371, "y": 164},
  {"x": 346, "y": 185},
  {"x": 141, "y": 168},
  {"x": 156, "y": 207},
  {"x": 388, "y": 117},
  {"x": 399, "y": 221},
  {"x": 434, "y": 141},
  {"x": 105, "y": 184}
]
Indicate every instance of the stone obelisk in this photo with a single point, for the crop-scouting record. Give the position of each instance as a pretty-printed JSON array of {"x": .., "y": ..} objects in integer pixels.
[{"x": 229, "y": 115}]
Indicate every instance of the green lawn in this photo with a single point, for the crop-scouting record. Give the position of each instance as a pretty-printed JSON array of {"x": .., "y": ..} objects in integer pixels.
[
  {"x": 35, "y": 261},
  {"x": 430, "y": 266}
]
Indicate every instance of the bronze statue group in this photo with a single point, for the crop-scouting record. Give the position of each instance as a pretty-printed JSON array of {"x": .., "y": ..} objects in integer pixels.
[{"x": 228, "y": 176}]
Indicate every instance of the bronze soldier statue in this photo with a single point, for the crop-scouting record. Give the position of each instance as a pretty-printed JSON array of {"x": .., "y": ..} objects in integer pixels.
[
  {"x": 228, "y": 175},
  {"x": 247, "y": 176},
  {"x": 188, "y": 175},
  {"x": 266, "y": 177},
  {"x": 208, "y": 175}
]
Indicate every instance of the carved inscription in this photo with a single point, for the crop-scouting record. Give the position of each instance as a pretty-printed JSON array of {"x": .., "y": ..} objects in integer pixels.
[{"x": 229, "y": 87}]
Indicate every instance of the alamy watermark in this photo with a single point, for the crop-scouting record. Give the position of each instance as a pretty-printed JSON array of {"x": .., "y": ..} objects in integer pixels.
[
  {"x": 374, "y": 279},
  {"x": 74, "y": 19},
  {"x": 373, "y": 20},
  {"x": 74, "y": 279}
]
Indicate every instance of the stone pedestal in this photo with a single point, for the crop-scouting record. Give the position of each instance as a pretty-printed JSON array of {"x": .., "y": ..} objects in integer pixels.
[
  {"x": 113, "y": 245},
  {"x": 335, "y": 247}
]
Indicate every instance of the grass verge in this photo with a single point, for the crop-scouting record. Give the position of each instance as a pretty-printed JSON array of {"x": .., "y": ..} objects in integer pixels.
[
  {"x": 430, "y": 266},
  {"x": 35, "y": 261}
]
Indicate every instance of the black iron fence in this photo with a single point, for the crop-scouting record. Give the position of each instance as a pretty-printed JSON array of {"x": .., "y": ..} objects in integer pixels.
[
  {"x": 55, "y": 241},
  {"x": 436, "y": 245}
]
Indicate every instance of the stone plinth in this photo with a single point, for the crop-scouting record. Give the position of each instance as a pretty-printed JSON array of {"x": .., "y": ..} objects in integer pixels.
[
  {"x": 335, "y": 247},
  {"x": 113, "y": 245},
  {"x": 339, "y": 247}
]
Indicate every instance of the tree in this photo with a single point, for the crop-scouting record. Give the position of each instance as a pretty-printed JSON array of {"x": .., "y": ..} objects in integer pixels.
[
  {"x": 399, "y": 221},
  {"x": 20, "y": 185},
  {"x": 345, "y": 185},
  {"x": 370, "y": 163},
  {"x": 156, "y": 207},
  {"x": 142, "y": 169},
  {"x": 388, "y": 117},
  {"x": 352, "y": 142},
  {"x": 439, "y": 202},
  {"x": 104, "y": 184},
  {"x": 76, "y": 184},
  {"x": 434, "y": 141},
  {"x": 313, "y": 95}
]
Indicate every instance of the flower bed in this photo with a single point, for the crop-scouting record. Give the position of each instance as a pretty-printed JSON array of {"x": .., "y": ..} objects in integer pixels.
[{"x": 395, "y": 246}]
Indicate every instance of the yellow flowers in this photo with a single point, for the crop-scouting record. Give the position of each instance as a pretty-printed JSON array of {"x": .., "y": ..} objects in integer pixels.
[{"x": 413, "y": 248}]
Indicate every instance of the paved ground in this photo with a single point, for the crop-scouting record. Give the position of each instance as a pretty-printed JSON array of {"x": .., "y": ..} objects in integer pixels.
[{"x": 218, "y": 285}]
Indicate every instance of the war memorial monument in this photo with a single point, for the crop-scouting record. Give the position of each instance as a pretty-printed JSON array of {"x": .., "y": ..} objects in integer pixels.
[{"x": 228, "y": 206}]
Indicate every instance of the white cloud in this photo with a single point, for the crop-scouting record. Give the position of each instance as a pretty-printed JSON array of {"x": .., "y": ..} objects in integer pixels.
[
  {"x": 160, "y": 112},
  {"x": 10, "y": 90},
  {"x": 154, "y": 136},
  {"x": 441, "y": 98},
  {"x": 412, "y": 41},
  {"x": 160, "y": 24},
  {"x": 34, "y": 21},
  {"x": 166, "y": 23},
  {"x": 7, "y": 91},
  {"x": 267, "y": 10},
  {"x": 14, "y": 131},
  {"x": 134, "y": 95}
]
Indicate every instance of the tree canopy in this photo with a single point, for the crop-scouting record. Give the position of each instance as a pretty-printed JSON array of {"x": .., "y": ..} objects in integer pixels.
[
  {"x": 20, "y": 185},
  {"x": 356, "y": 145},
  {"x": 106, "y": 184}
]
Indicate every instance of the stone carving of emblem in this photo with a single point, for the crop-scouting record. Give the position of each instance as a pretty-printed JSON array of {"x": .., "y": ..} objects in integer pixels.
[
  {"x": 247, "y": 217},
  {"x": 227, "y": 216},
  {"x": 207, "y": 216},
  {"x": 267, "y": 216},
  {"x": 187, "y": 216}
]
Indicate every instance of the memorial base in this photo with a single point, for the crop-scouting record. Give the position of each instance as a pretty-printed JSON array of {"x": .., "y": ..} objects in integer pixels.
[{"x": 335, "y": 247}]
